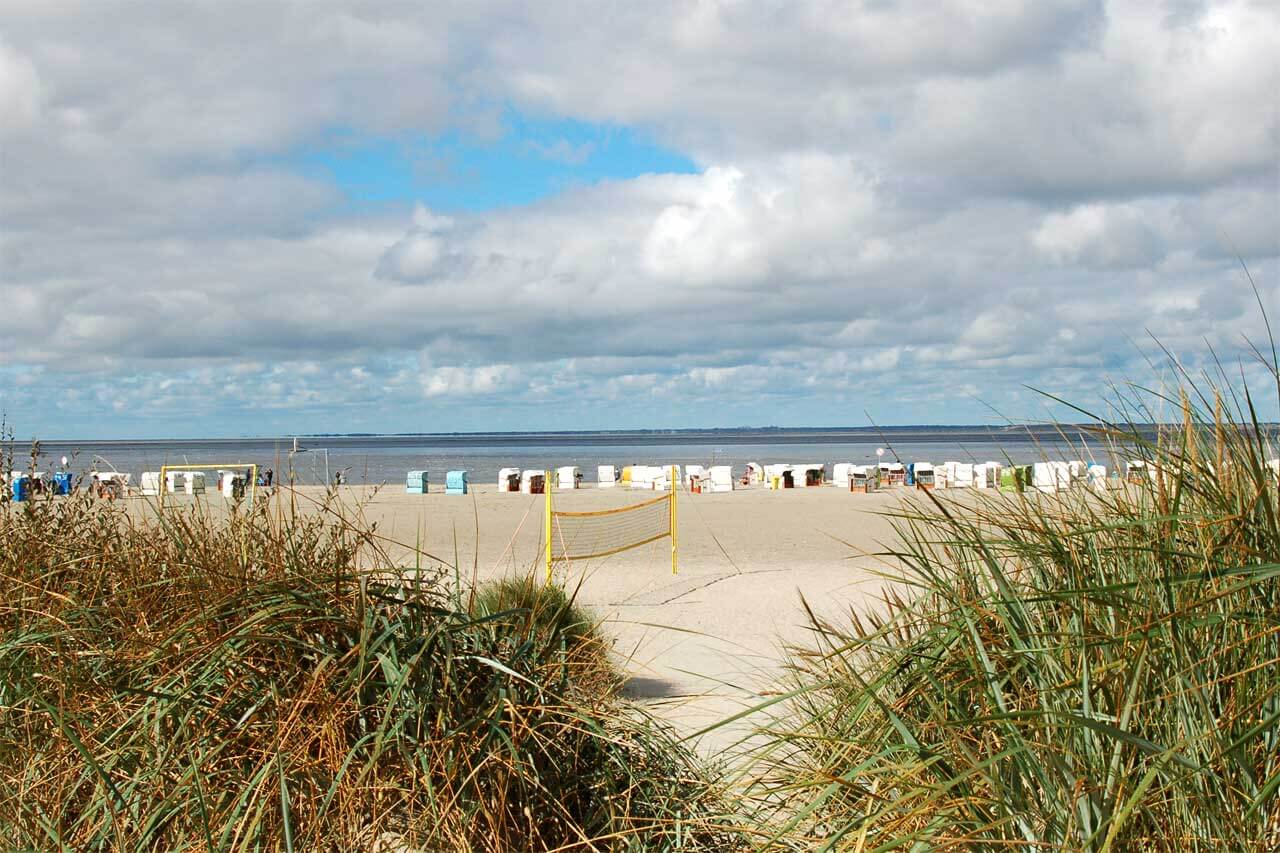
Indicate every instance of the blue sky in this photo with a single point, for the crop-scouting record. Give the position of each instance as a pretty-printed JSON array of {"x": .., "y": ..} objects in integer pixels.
[
  {"x": 288, "y": 218},
  {"x": 461, "y": 171}
]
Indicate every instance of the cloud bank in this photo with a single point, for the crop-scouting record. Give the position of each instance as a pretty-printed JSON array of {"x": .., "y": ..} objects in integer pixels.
[{"x": 895, "y": 213}]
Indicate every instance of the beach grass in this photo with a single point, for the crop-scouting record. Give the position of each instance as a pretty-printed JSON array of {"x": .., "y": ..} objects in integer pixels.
[
  {"x": 1080, "y": 671},
  {"x": 182, "y": 679}
]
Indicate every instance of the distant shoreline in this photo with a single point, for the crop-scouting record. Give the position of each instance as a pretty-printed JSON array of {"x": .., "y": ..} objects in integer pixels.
[{"x": 732, "y": 435}]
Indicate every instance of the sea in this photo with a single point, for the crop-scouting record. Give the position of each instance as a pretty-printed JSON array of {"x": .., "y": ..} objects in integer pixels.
[{"x": 374, "y": 459}]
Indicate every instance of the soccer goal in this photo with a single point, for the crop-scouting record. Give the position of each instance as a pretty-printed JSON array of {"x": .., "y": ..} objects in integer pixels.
[
  {"x": 600, "y": 533},
  {"x": 233, "y": 480}
]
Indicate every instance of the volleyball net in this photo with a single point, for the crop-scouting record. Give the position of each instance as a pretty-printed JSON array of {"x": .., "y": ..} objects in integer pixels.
[{"x": 601, "y": 533}]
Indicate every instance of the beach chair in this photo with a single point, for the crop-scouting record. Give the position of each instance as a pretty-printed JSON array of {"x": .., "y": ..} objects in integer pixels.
[
  {"x": 509, "y": 480},
  {"x": 455, "y": 483}
]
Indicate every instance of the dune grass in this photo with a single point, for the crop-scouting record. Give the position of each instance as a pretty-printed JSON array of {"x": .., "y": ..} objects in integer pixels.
[
  {"x": 178, "y": 679},
  {"x": 1087, "y": 671}
]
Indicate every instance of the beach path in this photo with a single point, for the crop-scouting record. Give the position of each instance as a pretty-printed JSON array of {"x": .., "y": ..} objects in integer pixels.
[{"x": 705, "y": 644}]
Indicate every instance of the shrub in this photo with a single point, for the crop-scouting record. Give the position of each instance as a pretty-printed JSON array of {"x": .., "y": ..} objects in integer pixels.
[
  {"x": 178, "y": 678},
  {"x": 1079, "y": 671}
]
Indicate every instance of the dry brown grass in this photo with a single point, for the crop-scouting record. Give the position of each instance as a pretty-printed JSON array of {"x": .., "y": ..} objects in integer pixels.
[{"x": 179, "y": 679}]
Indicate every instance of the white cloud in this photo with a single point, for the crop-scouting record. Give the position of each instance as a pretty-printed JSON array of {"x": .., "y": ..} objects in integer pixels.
[
  {"x": 804, "y": 215},
  {"x": 21, "y": 91},
  {"x": 416, "y": 256},
  {"x": 1100, "y": 235},
  {"x": 463, "y": 381}
]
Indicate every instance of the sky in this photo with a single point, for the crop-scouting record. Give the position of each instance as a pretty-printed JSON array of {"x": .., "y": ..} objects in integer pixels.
[{"x": 234, "y": 218}]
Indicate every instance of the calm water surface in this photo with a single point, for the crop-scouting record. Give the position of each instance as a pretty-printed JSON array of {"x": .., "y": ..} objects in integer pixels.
[{"x": 377, "y": 459}]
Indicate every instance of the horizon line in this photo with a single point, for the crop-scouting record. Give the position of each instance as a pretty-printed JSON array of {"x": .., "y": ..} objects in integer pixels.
[{"x": 1038, "y": 427}]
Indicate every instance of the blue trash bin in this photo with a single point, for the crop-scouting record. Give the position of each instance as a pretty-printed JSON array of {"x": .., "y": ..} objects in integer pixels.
[
  {"x": 911, "y": 473},
  {"x": 62, "y": 483},
  {"x": 21, "y": 488},
  {"x": 455, "y": 483}
]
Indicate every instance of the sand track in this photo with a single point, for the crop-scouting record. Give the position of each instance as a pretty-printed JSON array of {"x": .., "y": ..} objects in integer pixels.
[{"x": 699, "y": 646}]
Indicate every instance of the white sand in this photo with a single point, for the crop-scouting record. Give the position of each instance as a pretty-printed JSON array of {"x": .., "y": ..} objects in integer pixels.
[{"x": 706, "y": 643}]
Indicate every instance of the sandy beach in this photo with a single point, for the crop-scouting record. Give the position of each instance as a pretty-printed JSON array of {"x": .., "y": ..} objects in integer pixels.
[{"x": 699, "y": 646}]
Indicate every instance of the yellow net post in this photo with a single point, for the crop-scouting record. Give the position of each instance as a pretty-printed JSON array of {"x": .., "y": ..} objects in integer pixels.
[
  {"x": 675, "y": 487},
  {"x": 546, "y": 489}
]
